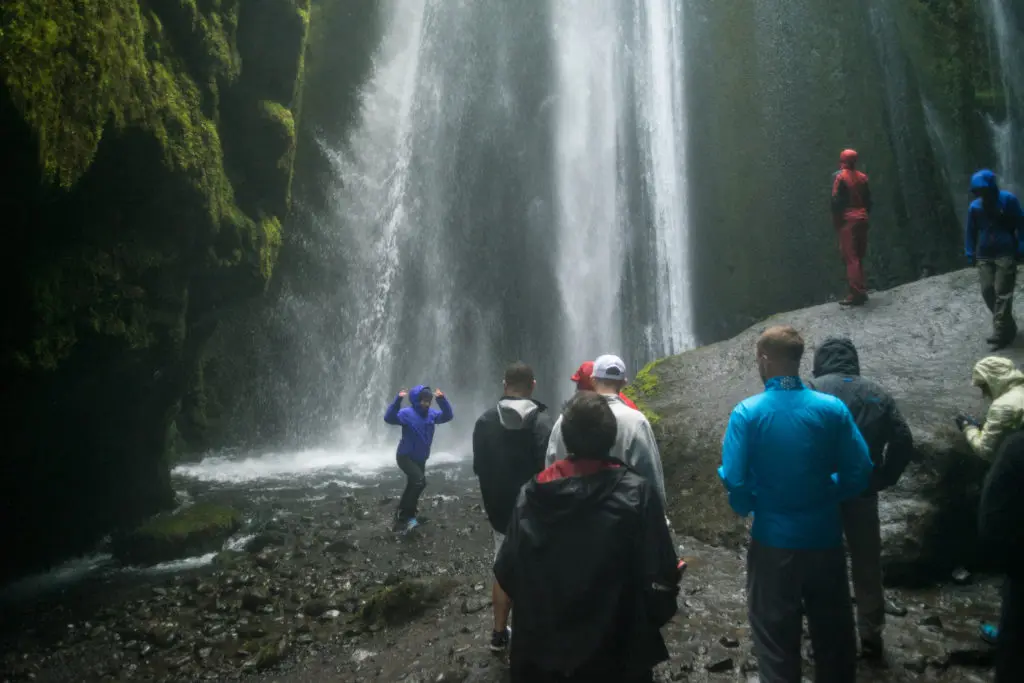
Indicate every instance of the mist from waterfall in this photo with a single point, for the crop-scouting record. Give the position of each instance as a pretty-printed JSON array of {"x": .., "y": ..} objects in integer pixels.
[{"x": 514, "y": 188}]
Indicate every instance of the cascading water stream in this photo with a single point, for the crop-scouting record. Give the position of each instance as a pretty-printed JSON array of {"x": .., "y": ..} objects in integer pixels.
[
  {"x": 1008, "y": 131},
  {"x": 513, "y": 187},
  {"x": 620, "y": 170}
]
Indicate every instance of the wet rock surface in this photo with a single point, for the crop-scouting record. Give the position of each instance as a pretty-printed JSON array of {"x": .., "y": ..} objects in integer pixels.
[
  {"x": 193, "y": 530},
  {"x": 920, "y": 341},
  {"x": 413, "y": 608}
]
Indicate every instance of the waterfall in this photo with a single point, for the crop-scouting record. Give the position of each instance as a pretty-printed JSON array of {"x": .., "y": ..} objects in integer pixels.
[
  {"x": 620, "y": 156},
  {"x": 1008, "y": 130},
  {"x": 514, "y": 187}
]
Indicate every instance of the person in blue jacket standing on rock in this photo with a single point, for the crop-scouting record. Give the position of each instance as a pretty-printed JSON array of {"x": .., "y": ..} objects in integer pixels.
[
  {"x": 417, "y": 421},
  {"x": 994, "y": 240},
  {"x": 790, "y": 456}
]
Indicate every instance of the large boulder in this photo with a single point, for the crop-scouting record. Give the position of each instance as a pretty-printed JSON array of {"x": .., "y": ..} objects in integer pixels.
[
  {"x": 920, "y": 341},
  {"x": 195, "y": 530}
]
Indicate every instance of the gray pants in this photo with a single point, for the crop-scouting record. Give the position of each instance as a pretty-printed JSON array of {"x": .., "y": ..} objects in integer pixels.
[
  {"x": 864, "y": 542},
  {"x": 998, "y": 278},
  {"x": 782, "y": 586}
]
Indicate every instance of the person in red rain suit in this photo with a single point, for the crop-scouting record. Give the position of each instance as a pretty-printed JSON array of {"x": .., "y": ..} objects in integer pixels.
[{"x": 851, "y": 204}]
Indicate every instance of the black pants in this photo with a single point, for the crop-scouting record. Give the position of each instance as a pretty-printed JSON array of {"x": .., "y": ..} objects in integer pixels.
[
  {"x": 782, "y": 586},
  {"x": 527, "y": 673},
  {"x": 1010, "y": 643},
  {"x": 415, "y": 482}
]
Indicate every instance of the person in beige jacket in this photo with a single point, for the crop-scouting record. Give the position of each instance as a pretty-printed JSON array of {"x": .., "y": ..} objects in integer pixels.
[
  {"x": 634, "y": 438},
  {"x": 1002, "y": 383}
]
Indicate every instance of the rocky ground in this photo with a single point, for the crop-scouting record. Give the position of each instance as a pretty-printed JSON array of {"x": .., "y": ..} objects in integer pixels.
[{"x": 324, "y": 591}]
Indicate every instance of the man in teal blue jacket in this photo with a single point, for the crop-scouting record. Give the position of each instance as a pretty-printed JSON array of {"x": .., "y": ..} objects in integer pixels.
[{"x": 791, "y": 456}]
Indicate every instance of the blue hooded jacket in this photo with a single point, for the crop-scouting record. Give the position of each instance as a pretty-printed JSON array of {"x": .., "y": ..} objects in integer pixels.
[
  {"x": 417, "y": 424},
  {"x": 790, "y": 456},
  {"x": 997, "y": 231}
]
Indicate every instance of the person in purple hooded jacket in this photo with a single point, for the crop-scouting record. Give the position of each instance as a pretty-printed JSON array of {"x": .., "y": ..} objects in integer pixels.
[{"x": 417, "y": 421}]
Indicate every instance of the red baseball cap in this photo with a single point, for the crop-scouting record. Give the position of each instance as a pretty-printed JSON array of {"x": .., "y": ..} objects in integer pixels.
[{"x": 583, "y": 376}]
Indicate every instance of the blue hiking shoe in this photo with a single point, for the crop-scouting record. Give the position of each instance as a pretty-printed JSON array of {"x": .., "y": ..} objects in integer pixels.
[{"x": 988, "y": 632}]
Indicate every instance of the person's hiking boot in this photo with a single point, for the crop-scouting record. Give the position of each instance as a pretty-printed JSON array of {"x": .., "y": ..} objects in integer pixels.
[
  {"x": 499, "y": 640},
  {"x": 989, "y": 633},
  {"x": 854, "y": 300},
  {"x": 872, "y": 650}
]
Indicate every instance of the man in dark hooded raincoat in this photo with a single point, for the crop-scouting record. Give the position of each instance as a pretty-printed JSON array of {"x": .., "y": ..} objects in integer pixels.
[{"x": 891, "y": 446}]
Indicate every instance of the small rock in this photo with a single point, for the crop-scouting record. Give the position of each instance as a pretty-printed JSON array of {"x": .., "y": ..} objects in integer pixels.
[
  {"x": 269, "y": 655},
  {"x": 916, "y": 664},
  {"x": 961, "y": 576},
  {"x": 159, "y": 591},
  {"x": 729, "y": 641},
  {"x": 720, "y": 665},
  {"x": 314, "y": 607},
  {"x": 340, "y": 547},
  {"x": 331, "y": 614},
  {"x": 895, "y": 609},
  {"x": 474, "y": 606},
  {"x": 254, "y": 599},
  {"x": 749, "y": 665}
]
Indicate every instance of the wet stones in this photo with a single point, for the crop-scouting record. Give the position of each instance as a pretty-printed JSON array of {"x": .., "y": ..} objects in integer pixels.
[
  {"x": 720, "y": 665},
  {"x": 255, "y": 599}
]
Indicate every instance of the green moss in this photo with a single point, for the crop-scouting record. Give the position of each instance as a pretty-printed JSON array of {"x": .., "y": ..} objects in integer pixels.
[
  {"x": 394, "y": 605},
  {"x": 270, "y": 245},
  {"x": 200, "y": 517},
  {"x": 80, "y": 71},
  {"x": 643, "y": 387},
  {"x": 281, "y": 117},
  {"x": 199, "y": 528}
]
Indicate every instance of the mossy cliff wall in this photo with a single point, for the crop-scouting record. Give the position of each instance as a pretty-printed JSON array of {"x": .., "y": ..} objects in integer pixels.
[{"x": 147, "y": 154}]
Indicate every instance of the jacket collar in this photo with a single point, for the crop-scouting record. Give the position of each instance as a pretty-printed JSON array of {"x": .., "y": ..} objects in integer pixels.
[{"x": 783, "y": 384}]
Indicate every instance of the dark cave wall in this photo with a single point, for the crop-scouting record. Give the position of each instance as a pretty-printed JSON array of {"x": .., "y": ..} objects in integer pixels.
[{"x": 148, "y": 153}]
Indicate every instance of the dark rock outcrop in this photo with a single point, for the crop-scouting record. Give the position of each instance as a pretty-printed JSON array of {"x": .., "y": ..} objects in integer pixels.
[
  {"x": 407, "y": 599},
  {"x": 196, "y": 530},
  {"x": 147, "y": 161},
  {"x": 920, "y": 341}
]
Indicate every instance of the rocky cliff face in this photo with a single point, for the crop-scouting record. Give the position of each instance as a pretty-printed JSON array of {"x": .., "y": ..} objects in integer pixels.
[
  {"x": 148, "y": 152},
  {"x": 779, "y": 89},
  {"x": 920, "y": 341}
]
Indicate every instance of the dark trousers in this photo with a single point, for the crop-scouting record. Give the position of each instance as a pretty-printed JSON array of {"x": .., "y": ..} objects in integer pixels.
[
  {"x": 415, "y": 482},
  {"x": 1010, "y": 643},
  {"x": 527, "y": 673},
  {"x": 998, "y": 278},
  {"x": 782, "y": 586},
  {"x": 853, "y": 242},
  {"x": 864, "y": 543}
]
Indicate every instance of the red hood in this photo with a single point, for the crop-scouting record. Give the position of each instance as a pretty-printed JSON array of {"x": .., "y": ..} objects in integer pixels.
[{"x": 848, "y": 159}]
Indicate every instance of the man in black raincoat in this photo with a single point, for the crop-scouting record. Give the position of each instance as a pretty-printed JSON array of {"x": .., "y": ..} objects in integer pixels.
[
  {"x": 891, "y": 445},
  {"x": 588, "y": 563}
]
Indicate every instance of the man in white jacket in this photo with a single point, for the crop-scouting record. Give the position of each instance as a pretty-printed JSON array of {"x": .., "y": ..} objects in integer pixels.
[{"x": 634, "y": 439}]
